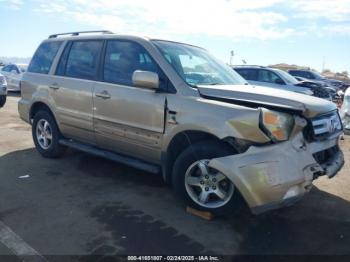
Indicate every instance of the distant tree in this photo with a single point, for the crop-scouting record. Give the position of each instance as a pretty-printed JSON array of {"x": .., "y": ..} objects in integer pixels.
[
  {"x": 345, "y": 73},
  {"x": 326, "y": 71}
]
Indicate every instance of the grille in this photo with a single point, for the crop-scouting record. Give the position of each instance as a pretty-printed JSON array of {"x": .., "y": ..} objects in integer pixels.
[{"x": 326, "y": 125}]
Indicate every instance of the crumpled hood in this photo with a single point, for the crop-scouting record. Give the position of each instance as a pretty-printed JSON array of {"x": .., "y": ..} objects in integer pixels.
[{"x": 309, "y": 106}]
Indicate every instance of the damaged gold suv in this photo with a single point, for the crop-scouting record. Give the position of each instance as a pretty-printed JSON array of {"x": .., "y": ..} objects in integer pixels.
[{"x": 173, "y": 109}]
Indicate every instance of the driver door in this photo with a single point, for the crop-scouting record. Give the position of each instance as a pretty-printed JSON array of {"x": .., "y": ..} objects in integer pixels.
[{"x": 128, "y": 119}]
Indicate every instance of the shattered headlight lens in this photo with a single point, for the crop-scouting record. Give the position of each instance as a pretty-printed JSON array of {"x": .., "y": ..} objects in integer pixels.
[{"x": 276, "y": 125}]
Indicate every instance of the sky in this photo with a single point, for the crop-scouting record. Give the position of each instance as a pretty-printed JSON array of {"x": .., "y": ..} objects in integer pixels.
[{"x": 314, "y": 33}]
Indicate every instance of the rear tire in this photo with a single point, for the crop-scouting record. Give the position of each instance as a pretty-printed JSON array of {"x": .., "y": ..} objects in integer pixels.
[
  {"x": 46, "y": 135},
  {"x": 219, "y": 194},
  {"x": 2, "y": 100}
]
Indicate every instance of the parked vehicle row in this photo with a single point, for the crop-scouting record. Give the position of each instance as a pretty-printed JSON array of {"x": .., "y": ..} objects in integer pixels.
[
  {"x": 279, "y": 79},
  {"x": 3, "y": 90},
  {"x": 319, "y": 90},
  {"x": 173, "y": 109},
  {"x": 316, "y": 77},
  {"x": 13, "y": 74}
]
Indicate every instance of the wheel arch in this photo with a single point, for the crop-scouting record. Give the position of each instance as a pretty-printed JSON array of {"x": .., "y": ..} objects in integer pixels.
[
  {"x": 38, "y": 106},
  {"x": 179, "y": 143}
]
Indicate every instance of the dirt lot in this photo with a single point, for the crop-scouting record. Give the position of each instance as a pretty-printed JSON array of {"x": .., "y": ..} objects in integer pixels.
[{"x": 81, "y": 204}]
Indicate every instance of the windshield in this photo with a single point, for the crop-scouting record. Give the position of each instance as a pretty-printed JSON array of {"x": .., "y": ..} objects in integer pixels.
[
  {"x": 287, "y": 77},
  {"x": 318, "y": 76},
  {"x": 196, "y": 66}
]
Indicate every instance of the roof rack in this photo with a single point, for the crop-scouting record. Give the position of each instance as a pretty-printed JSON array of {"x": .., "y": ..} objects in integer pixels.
[
  {"x": 81, "y": 32},
  {"x": 260, "y": 66}
]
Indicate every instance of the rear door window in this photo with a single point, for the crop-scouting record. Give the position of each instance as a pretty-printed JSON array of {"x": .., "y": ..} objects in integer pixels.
[
  {"x": 83, "y": 59},
  {"x": 43, "y": 57}
]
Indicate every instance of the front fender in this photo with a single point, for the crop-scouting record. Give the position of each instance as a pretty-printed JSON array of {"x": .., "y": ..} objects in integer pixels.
[{"x": 217, "y": 118}]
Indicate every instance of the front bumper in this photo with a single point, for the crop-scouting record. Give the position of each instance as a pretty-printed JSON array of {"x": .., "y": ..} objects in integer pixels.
[
  {"x": 277, "y": 175},
  {"x": 23, "y": 110}
]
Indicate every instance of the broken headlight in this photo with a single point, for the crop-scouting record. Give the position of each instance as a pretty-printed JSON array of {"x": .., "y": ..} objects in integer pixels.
[{"x": 276, "y": 125}]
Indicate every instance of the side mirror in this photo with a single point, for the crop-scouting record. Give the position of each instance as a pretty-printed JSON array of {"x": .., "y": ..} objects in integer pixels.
[
  {"x": 145, "y": 79},
  {"x": 279, "y": 81}
]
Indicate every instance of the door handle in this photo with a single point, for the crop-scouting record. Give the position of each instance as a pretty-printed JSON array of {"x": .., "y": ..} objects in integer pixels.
[
  {"x": 54, "y": 86},
  {"x": 104, "y": 94}
]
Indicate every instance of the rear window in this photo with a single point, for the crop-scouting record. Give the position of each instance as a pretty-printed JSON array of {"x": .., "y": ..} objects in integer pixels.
[
  {"x": 7, "y": 68},
  {"x": 82, "y": 61},
  {"x": 43, "y": 57}
]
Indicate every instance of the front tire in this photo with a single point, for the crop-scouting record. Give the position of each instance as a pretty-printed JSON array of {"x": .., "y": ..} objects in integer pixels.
[
  {"x": 46, "y": 135},
  {"x": 2, "y": 100},
  {"x": 202, "y": 187}
]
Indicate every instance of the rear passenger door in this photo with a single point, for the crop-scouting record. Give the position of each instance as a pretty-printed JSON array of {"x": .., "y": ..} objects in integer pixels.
[
  {"x": 71, "y": 88},
  {"x": 128, "y": 119}
]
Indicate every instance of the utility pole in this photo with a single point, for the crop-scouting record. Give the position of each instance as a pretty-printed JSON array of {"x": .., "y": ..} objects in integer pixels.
[
  {"x": 231, "y": 57},
  {"x": 323, "y": 63}
]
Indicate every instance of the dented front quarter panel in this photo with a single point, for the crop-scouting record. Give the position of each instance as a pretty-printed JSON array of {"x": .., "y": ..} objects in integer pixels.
[
  {"x": 264, "y": 175},
  {"x": 219, "y": 119}
]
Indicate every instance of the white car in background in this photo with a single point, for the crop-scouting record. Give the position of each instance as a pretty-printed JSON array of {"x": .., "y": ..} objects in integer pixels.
[
  {"x": 3, "y": 90},
  {"x": 345, "y": 112},
  {"x": 13, "y": 74}
]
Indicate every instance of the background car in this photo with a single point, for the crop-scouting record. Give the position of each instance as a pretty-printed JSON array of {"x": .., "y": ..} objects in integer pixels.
[
  {"x": 345, "y": 112},
  {"x": 339, "y": 84},
  {"x": 276, "y": 78},
  {"x": 13, "y": 74},
  {"x": 3, "y": 90},
  {"x": 318, "y": 89},
  {"x": 314, "y": 76}
]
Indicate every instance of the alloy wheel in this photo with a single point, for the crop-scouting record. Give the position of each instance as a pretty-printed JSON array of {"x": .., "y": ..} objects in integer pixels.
[{"x": 206, "y": 186}]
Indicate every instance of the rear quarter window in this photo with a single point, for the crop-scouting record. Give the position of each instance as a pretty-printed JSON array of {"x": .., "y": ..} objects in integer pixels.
[{"x": 43, "y": 57}]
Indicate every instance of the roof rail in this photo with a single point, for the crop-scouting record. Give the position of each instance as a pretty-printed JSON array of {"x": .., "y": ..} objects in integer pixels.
[
  {"x": 260, "y": 66},
  {"x": 81, "y": 32}
]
